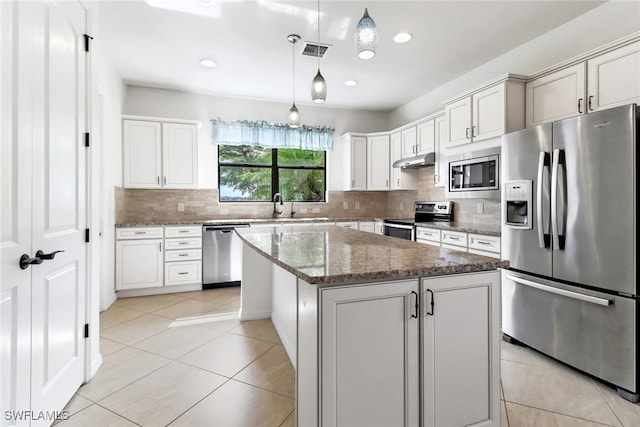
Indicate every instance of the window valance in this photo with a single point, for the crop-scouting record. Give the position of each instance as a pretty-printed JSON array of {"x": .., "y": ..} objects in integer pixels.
[{"x": 272, "y": 135}]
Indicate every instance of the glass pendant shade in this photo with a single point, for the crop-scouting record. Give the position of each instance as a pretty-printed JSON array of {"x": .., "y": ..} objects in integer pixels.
[
  {"x": 318, "y": 88},
  {"x": 366, "y": 37},
  {"x": 294, "y": 117}
]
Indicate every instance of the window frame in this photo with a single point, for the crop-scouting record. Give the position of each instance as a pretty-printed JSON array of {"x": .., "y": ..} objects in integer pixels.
[{"x": 275, "y": 176}]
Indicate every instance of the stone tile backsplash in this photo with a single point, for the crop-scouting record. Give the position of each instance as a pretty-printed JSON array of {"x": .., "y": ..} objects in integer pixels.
[{"x": 146, "y": 206}]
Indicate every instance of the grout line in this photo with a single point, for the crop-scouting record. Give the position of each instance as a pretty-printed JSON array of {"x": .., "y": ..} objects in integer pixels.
[
  {"x": 120, "y": 415},
  {"x": 559, "y": 413},
  {"x": 615, "y": 414},
  {"x": 203, "y": 398}
]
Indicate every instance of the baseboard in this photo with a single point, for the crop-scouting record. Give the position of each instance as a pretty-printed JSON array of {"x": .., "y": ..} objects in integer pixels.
[
  {"x": 288, "y": 347},
  {"x": 96, "y": 363},
  {"x": 244, "y": 315}
]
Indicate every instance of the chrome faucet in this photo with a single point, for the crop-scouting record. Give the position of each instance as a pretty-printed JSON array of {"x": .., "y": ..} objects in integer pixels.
[{"x": 277, "y": 198}]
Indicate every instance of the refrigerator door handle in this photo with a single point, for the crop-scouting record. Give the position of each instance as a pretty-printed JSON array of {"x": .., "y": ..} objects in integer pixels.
[
  {"x": 558, "y": 157},
  {"x": 558, "y": 291},
  {"x": 543, "y": 160}
]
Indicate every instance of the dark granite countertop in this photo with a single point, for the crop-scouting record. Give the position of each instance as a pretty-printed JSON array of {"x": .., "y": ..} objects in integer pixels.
[{"x": 326, "y": 255}]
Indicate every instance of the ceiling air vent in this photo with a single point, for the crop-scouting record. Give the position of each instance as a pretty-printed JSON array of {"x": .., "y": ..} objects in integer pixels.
[{"x": 315, "y": 49}]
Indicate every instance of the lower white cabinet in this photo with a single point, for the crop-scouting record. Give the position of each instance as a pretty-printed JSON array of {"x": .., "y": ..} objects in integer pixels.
[
  {"x": 139, "y": 258},
  {"x": 370, "y": 360},
  {"x": 460, "y": 348},
  {"x": 183, "y": 255},
  {"x": 367, "y": 226},
  {"x": 484, "y": 245},
  {"x": 347, "y": 224},
  {"x": 428, "y": 236}
]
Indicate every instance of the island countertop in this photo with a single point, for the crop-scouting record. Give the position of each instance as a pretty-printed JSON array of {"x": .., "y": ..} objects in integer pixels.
[{"x": 329, "y": 255}]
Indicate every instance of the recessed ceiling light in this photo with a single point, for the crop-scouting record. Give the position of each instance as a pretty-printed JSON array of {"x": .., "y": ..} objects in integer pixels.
[
  {"x": 350, "y": 83},
  {"x": 402, "y": 37},
  {"x": 208, "y": 63}
]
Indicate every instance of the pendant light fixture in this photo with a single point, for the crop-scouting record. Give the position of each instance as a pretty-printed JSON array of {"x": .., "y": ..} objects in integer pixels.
[
  {"x": 318, "y": 85},
  {"x": 366, "y": 37},
  {"x": 294, "y": 114}
]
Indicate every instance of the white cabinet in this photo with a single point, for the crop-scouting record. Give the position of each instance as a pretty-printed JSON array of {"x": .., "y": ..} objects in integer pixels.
[
  {"x": 428, "y": 236},
  {"x": 491, "y": 111},
  {"x": 409, "y": 138},
  {"x": 426, "y": 137},
  {"x": 183, "y": 255},
  {"x": 355, "y": 162},
  {"x": 379, "y": 227},
  {"x": 456, "y": 240},
  {"x": 369, "y": 359},
  {"x": 347, "y": 224},
  {"x": 160, "y": 155},
  {"x": 139, "y": 258},
  {"x": 401, "y": 179},
  {"x": 605, "y": 80},
  {"x": 440, "y": 169},
  {"x": 484, "y": 245},
  {"x": 460, "y": 348},
  {"x": 367, "y": 226},
  {"x": 378, "y": 167}
]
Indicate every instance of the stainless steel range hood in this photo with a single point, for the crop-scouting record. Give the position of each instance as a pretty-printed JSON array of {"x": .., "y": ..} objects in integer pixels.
[{"x": 419, "y": 161}]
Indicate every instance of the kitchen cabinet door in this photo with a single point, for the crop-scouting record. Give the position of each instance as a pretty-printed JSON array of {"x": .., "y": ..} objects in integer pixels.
[
  {"x": 460, "y": 348},
  {"x": 355, "y": 162},
  {"x": 369, "y": 360},
  {"x": 488, "y": 113},
  {"x": 179, "y": 155},
  {"x": 426, "y": 137},
  {"x": 378, "y": 162},
  {"x": 556, "y": 96},
  {"x": 409, "y": 141},
  {"x": 142, "y": 144},
  {"x": 139, "y": 264},
  {"x": 613, "y": 79},
  {"x": 458, "y": 116},
  {"x": 440, "y": 170},
  {"x": 401, "y": 179}
]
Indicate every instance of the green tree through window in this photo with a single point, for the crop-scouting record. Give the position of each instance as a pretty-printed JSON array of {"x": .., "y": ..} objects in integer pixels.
[{"x": 254, "y": 174}]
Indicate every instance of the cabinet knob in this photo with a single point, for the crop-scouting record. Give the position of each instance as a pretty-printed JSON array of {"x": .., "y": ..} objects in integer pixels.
[
  {"x": 590, "y": 99},
  {"x": 466, "y": 133}
]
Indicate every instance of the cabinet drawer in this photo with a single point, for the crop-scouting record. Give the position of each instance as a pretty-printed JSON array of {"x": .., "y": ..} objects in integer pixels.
[
  {"x": 484, "y": 253},
  {"x": 428, "y": 234},
  {"x": 178, "y": 255},
  {"x": 177, "y": 273},
  {"x": 429, "y": 242},
  {"x": 139, "y": 233},
  {"x": 484, "y": 243},
  {"x": 455, "y": 238},
  {"x": 189, "y": 243},
  {"x": 183, "y": 231},
  {"x": 454, "y": 247},
  {"x": 347, "y": 224}
]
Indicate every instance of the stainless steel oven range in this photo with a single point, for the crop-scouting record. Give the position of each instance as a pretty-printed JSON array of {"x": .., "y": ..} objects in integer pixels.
[{"x": 404, "y": 228}]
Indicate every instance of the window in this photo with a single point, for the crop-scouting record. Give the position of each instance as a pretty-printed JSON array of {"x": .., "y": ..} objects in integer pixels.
[{"x": 248, "y": 173}]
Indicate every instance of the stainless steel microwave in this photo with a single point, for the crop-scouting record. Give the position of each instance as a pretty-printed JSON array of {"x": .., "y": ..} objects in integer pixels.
[{"x": 474, "y": 174}]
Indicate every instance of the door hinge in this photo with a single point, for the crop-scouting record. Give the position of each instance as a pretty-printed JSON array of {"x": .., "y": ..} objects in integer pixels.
[
  {"x": 87, "y": 139},
  {"x": 87, "y": 37},
  {"x": 87, "y": 235},
  {"x": 86, "y": 330}
]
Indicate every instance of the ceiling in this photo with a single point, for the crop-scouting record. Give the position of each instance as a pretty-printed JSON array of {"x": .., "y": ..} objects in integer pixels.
[{"x": 162, "y": 46}]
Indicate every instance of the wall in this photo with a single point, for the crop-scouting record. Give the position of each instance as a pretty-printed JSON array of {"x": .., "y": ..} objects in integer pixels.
[{"x": 599, "y": 26}]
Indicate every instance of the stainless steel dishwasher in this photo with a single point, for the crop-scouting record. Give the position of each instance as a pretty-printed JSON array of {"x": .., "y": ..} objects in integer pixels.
[{"x": 221, "y": 255}]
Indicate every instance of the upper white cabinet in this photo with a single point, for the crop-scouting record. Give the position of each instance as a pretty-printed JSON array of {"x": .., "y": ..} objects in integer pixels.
[
  {"x": 409, "y": 141},
  {"x": 355, "y": 162},
  {"x": 591, "y": 83},
  {"x": 160, "y": 154},
  {"x": 426, "y": 137},
  {"x": 493, "y": 110},
  {"x": 378, "y": 167},
  {"x": 401, "y": 179}
]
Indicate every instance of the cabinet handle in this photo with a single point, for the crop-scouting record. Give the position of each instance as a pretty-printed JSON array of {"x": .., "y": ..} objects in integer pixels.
[
  {"x": 414, "y": 315},
  {"x": 165, "y": 180},
  {"x": 432, "y": 303},
  {"x": 183, "y": 272},
  {"x": 590, "y": 99},
  {"x": 580, "y": 105},
  {"x": 353, "y": 183},
  {"x": 183, "y": 243},
  {"x": 183, "y": 254},
  {"x": 158, "y": 179},
  {"x": 160, "y": 247},
  {"x": 435, "y": 178},
  {"x": 398, "y": 182},
  {"x": 480, "y": 242},
  {"x": 183, "y": 231},
  {"x": 140, "y": 232},
  {"x": 453, "y": 238},
  {"x": 466, "y": 133},
  {"x": 473, "y": 133}
]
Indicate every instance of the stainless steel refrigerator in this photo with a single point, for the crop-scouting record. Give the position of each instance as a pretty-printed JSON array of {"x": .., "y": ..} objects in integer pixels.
[{"x": 568, "y": 230}]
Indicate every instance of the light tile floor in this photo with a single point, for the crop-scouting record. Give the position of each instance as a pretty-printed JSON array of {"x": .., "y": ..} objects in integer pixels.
[{"x": 229, "y": 373}]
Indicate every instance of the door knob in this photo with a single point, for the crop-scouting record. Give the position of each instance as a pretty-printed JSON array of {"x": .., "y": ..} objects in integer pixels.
[
  {"x": 26, "y": 261},
  {"x": 44, "y": 256}
]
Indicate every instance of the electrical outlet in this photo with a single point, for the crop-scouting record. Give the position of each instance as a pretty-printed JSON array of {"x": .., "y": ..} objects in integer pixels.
[
  {"x": 180, "y": 207},
  {"x": 315, "y": 210},
  {"x": 479, "y": 207},
  {"x": 357, "y": 205},
  {"x": 303, "y": 210},
  {"x": 401, "y": 206},
  {"x": 345, "y": 205}
]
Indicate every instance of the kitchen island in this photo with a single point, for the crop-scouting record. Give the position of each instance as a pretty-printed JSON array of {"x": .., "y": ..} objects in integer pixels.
[{"x": 381, "y": 331}]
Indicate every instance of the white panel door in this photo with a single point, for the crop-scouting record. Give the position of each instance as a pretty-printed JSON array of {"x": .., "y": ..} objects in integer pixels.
[
  {"x": 142, "y": 154},
  {"x": 42, "y": 307},
  {"x": 459, "y": 122},
  {"x": 426, "y": 137},
  {"x": 15, "y": 212},
  {"x": 59, "y": 217},
  {"x": 488, "y": 113}
]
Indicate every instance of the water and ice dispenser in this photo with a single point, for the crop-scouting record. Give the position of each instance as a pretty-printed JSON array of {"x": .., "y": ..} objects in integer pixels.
[{"x": 517, "y": 202}]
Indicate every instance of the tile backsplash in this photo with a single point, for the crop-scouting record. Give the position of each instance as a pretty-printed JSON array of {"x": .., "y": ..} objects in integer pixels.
[{"x": 152, "y": 206}]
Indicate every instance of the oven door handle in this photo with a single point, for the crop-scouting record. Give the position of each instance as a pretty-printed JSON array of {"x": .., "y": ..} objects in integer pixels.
[{"x": 404, "y": 227}]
